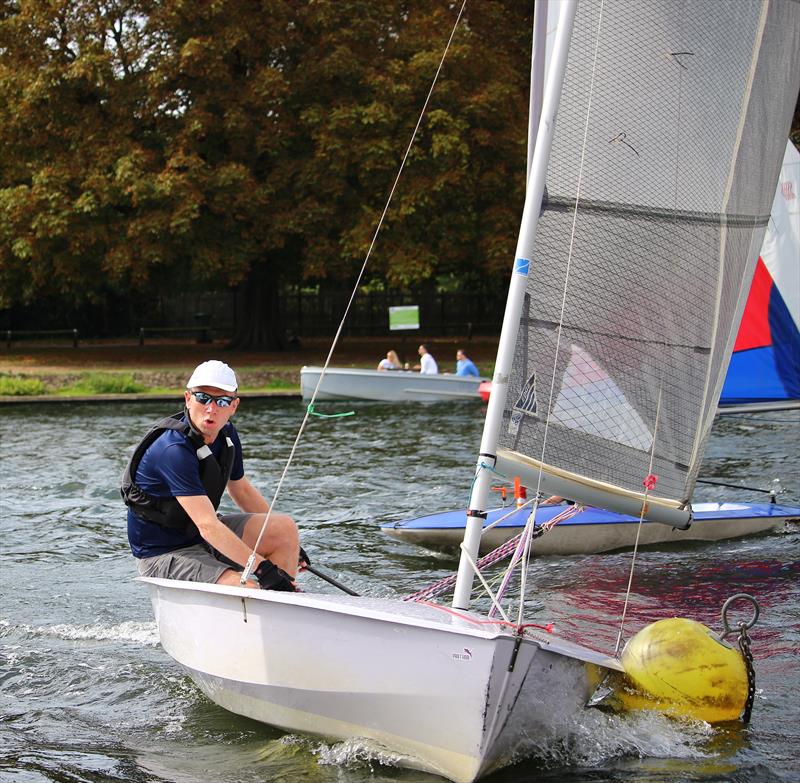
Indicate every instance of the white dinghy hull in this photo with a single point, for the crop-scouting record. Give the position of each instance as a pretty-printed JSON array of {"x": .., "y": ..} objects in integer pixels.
[
  {"x": 594, "y": 530},
  {"x": 392, "y": 386},
  {"x": 433, "y": 687}
]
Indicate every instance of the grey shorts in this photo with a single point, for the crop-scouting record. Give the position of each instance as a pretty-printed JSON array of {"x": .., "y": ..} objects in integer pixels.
[{"x": 197, "y": 563}]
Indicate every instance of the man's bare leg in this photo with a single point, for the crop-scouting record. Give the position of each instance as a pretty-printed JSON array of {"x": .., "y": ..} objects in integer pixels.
[
  {"x": 280, "y": 543},
  {"x": 232, "y": 578}
]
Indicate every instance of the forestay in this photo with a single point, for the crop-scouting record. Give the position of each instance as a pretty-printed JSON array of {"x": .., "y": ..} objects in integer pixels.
[{"x": 658, "y": 192}]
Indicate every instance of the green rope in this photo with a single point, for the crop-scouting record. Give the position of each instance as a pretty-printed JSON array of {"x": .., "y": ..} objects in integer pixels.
[
  {"x": 483, "y": 466},
  {"x": 312, "y": 412}
]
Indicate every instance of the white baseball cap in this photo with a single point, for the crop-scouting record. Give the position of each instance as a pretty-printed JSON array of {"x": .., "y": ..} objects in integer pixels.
[{"x": 213, "y": 373}]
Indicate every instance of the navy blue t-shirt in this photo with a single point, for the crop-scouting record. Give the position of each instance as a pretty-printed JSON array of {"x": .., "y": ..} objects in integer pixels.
[{"x": 170, "y": 468}]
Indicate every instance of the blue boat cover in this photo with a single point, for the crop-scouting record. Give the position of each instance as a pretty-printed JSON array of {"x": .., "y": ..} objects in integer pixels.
[{"x": 454, "y": 520}]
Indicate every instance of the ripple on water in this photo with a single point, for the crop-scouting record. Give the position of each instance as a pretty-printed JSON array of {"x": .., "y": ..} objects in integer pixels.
[{"x": 82, "y": 671}]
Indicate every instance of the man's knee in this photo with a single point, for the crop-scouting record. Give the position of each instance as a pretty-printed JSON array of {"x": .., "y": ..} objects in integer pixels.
[
  {"x": 281, "y": 530},
  {"x": 286, "y": 530}
]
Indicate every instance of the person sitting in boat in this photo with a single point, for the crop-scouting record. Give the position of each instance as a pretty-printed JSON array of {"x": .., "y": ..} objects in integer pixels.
[
  {"x": 427, "y": 365},
  {"x": 391, "y": 362},
  {"x": 465, "y": 365},
  {"x": 173, "y": 486}
]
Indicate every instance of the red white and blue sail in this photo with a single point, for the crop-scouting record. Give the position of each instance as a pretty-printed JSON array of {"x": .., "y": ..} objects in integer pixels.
[{"x": 765, "y": 365}]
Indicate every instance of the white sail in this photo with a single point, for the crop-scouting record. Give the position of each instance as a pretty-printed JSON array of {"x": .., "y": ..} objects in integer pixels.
[{"x": 659, "y": 187}]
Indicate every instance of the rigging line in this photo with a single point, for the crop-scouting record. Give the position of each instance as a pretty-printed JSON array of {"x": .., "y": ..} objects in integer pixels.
[
  {"x": 531, "y": 533},
  {"x": 503, "y": 518},
  {"x": 526, "y": 561},
  {"x": 519, "y": 554},
  {"x": 734, "y": 486},
  {"x": 485, "y": 584},
  {"x": 647, "y": 487},
  {"x": 310, "y": 408},
  {"x": 501, "y": 552},
  {"x": 571, "y": 248},
  {"x": 523, "y": 581}
]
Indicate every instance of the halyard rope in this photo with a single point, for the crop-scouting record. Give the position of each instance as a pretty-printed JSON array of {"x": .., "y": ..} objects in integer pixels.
[{"x": 309, "y": 410}]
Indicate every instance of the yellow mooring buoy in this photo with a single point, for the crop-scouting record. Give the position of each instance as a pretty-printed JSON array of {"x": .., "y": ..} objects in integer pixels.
[{"x": 682, "y": 668}]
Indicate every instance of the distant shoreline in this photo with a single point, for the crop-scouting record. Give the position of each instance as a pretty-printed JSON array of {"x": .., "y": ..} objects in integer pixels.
[
  {"x": 163, "y": 366},
  {"x": 136, "y": 397}
]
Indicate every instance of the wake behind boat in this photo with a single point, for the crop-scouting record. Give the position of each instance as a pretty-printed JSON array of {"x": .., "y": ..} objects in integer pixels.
[
  {"x": 593, "y": 530},
  {"x": 344, "y": 383}
]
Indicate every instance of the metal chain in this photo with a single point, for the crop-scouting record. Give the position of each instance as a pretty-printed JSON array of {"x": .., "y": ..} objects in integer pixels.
[{"x": 744, "y": 646}]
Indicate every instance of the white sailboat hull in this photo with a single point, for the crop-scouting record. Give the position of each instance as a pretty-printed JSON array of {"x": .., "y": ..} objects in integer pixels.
[
  {"x": 596, "y": 531},
  {"x": 431, "y": 687},
  {"x": 593, "y": 539},
  {"x": 393, "y": 386}
]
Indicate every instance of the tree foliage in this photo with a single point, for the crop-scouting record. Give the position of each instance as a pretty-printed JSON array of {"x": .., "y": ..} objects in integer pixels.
[{"x": 244, "y": 142}]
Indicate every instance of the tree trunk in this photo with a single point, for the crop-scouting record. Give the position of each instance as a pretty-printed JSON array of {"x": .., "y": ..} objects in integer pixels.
[{"x": 260, "y": 322}]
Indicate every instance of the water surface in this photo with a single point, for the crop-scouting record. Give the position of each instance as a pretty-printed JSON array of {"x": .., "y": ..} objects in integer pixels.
[{"x": 87, "y": 694}]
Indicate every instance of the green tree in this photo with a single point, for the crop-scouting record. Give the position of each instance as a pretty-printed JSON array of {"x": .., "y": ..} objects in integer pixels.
[
  {"x": 69, "y": 80},
  {"x": 249, "y": 143},
  {"x": 457, "y": 205}
]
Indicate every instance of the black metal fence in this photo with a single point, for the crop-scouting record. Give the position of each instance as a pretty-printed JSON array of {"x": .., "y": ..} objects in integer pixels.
[
  {"x": 302, "y": 313},
  {"x": 319, "y": 314}
]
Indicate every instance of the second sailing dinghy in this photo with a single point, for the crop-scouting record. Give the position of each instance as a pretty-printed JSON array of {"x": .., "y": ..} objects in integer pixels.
[
  {"x": 582, "y": 531},
  {"x": 665, "y": 153},
  {"x": 764, "y": 373}
]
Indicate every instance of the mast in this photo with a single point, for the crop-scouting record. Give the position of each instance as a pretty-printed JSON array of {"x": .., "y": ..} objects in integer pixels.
[
  {"x": 516, "y": 293},
  {"x": 538, "y": 69}
]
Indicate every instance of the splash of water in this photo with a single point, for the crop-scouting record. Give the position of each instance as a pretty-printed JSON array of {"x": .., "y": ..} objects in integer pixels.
[{"x": 145, "y": 633}]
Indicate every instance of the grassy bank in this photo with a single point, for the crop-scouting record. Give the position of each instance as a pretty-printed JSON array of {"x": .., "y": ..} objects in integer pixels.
[{"x": 105, "y": 367}]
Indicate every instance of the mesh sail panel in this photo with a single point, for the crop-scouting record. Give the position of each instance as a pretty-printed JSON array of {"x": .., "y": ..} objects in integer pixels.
[{"x": 667, "y": 148}]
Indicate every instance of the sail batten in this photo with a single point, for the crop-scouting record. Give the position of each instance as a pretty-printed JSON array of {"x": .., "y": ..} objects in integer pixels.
[
  {"x": 540, "y": 322},
  {"x": 658, "y": 193},
  {"x": 672, "y": 216}
]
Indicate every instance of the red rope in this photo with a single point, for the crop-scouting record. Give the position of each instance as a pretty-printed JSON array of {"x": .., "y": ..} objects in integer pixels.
[
  {"x": 476, "y": 621},
  {"x": 490, "y": 558}
]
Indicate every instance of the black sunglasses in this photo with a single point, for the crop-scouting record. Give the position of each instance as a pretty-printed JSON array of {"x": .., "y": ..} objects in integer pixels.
[{"x": 223, "y": 401}]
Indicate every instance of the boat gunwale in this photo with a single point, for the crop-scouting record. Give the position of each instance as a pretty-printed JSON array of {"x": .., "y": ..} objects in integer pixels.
[
  {"x": 459, "y": 622},
  {"x": 392, "y": 374}
]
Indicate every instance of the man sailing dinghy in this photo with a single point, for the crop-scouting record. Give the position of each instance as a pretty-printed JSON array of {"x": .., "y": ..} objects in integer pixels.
[{"x": 468, "y": 692}]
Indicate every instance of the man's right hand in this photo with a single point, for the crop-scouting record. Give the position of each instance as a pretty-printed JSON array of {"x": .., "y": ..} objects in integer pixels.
[{"x": 270, "y": 577}]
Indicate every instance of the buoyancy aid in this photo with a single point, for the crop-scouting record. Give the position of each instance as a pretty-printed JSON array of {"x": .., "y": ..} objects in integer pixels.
[{"x": 166, "y": 511}]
